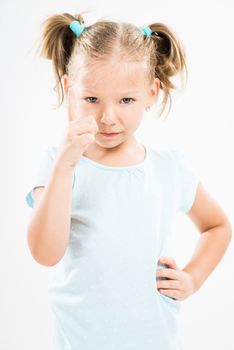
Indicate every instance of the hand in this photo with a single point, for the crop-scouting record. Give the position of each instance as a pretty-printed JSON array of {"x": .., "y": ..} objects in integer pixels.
[
  {"x": 79, "y": 135},
  {"x": 177, "y": 284}
]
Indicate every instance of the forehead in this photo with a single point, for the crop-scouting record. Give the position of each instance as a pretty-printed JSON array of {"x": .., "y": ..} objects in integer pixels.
[{"x": 129, "y": 77}]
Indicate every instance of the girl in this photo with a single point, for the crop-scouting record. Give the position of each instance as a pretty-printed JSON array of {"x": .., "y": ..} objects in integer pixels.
[{"x": 104, "y": 204}]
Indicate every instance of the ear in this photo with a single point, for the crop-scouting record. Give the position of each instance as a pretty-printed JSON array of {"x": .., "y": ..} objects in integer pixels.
[
  {"x": 65, "y": 83},
  {"x": 153, "y": 91}
]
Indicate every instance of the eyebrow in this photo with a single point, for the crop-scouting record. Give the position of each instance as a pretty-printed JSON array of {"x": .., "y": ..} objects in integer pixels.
[
  {"x": 123, "y": 92},
  {"x": 130, "y": 91}
]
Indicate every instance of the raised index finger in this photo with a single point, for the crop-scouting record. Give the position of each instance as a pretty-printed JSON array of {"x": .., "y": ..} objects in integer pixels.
[{"x": 72, "y": 105}]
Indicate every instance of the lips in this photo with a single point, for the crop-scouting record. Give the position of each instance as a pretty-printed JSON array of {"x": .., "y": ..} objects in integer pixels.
[
  {"x": 110, "y": 132},
  {"x": 109, "y": 135}
]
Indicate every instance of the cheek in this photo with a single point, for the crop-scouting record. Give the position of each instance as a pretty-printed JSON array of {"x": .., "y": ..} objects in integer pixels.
[
  {"x": 130, "y": 124},
  {"x": 132, "y": 119}
]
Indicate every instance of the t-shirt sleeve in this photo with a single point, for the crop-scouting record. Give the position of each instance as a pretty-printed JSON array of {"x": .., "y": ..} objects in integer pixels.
[
  {"x": 188, "y": 182},
  {"x": 42, "y": 173}
]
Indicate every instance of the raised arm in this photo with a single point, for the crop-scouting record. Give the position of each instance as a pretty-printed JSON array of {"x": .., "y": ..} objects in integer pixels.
[{"x": 49, "y": 227}]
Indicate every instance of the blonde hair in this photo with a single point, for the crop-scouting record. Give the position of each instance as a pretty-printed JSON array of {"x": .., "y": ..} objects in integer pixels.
[{"x": 163, "y": 53}]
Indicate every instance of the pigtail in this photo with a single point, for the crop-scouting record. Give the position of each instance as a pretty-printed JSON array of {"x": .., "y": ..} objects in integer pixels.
[
  {"x": 56, "y": 44},
  {"x": 170, "y": 59}
]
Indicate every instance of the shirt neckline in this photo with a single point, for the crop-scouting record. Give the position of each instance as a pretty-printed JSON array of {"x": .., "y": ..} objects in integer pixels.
[{"x": 128, "y": 167}]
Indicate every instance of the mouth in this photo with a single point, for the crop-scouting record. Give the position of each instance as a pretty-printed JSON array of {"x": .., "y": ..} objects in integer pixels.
[{"x": 109, "y": 135}]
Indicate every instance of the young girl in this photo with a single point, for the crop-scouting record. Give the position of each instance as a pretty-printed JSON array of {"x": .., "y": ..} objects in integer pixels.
[{"x": 104, "y": 204}]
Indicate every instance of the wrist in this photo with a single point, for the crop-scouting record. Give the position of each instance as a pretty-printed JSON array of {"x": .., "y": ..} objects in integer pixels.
[
  {"x": 194, "y": 283},
  {"x": 62, "y": 166}
]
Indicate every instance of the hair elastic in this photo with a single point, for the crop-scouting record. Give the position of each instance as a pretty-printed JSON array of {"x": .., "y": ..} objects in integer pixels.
[
  {"x": 76, "y": 27},
  {"x": 146, "y": 30}
]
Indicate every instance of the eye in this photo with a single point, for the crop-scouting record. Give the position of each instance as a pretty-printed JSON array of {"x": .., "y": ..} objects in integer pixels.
[
  {"x": 128, "y": 98},
  {"x": 90, "y": 98}
]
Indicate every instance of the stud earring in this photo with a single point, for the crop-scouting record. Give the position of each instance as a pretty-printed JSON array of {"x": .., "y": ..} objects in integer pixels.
[{"x": 147, "y": 108}]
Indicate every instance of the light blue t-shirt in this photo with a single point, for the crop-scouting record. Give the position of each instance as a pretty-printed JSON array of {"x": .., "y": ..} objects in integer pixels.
[{"x": 103, "y": 292}]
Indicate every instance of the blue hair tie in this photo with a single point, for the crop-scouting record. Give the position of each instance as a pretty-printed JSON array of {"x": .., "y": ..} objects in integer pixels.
[
  {"x": 146, "y": 31},
  {"x": 76, "y": 27}
]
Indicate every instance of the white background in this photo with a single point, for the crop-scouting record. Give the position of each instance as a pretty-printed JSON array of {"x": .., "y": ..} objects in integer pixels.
[{"x": 200, "y": 123}]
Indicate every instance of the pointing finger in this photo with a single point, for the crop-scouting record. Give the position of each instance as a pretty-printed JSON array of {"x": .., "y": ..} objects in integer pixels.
[{"x": 72, "y": 105}]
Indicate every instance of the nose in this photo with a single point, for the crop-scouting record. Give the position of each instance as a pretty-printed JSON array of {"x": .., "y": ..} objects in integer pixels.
[{"x": 108, "y": 117}]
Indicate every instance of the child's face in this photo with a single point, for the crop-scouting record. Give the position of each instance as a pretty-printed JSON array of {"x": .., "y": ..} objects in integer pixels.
[{"x": 116, "y": 94}]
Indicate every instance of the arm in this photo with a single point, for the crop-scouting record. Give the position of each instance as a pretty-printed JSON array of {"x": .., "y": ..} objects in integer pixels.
[
  {"x": 216, "y": 233},
  {"x": 49, "y": 227}
]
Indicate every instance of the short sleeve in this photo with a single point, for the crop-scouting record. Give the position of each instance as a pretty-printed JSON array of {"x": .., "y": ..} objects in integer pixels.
[
  {"x": 42, "y": 172},
  {"x": 188, "y": 182}
]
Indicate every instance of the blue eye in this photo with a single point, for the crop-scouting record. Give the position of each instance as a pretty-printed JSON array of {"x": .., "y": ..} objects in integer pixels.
[
  {"x": 91, "y": 99},
  {"x": 128, "y": 98}
]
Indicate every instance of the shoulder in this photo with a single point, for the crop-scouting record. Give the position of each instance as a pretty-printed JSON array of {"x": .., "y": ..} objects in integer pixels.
[
  {"x": 50, "y": 151},
  {"x": 170, "y": 156},
  {"x": 172, "y": 162}
]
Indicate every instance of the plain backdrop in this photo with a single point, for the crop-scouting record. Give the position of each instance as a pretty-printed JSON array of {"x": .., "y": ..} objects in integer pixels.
[{"x": 200, "y": 123}]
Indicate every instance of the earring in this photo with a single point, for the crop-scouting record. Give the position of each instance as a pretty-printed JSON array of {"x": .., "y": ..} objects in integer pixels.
[{"x": 147, "y": 108}]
